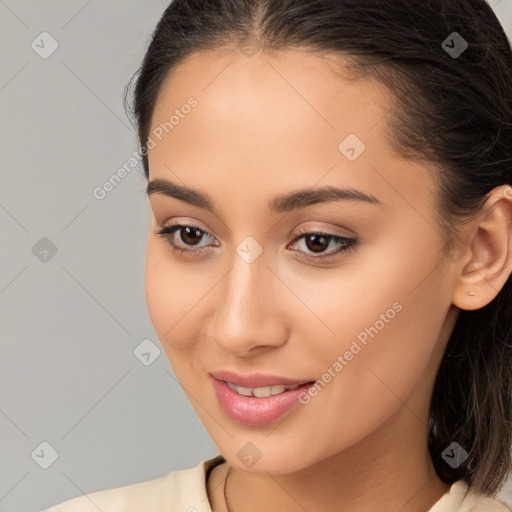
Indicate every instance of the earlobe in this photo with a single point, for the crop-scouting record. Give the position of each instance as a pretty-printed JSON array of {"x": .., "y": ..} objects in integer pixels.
[{"x": 482, "y": 277}]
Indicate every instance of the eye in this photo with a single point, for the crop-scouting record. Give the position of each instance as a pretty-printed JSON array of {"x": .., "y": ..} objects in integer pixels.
[
  {"x": 314, "y": 241},
  {"x": 190, "y": 235},
  {"x": 318, "y": 242}
]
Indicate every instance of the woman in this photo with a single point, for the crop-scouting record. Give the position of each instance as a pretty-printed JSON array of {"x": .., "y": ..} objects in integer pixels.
[{"x": 328, "y": 265}]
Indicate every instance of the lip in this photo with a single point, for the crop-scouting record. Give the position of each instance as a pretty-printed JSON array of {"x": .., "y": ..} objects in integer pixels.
[
  {"x": 256, "y": 380},
  {"x": 251, "y": 410}
]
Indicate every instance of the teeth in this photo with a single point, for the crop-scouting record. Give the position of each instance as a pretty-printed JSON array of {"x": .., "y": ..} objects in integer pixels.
[
  {"x": 244, "y": 391},
  {"x": 232, "y": 386},
  {"x": 275, "y": 390},
  {"x": 263, "y": 391}
]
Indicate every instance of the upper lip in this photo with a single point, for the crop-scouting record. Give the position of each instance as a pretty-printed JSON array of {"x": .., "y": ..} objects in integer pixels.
[{"x": 256, "y": 380}]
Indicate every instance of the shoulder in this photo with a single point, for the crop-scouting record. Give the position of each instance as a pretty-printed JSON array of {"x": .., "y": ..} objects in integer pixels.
[
  {"x": 461, "y": 498},
  {"x": 184, "y": 490}
]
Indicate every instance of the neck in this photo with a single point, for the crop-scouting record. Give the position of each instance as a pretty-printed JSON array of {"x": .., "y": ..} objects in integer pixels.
[{"x": 363, "y": 477}]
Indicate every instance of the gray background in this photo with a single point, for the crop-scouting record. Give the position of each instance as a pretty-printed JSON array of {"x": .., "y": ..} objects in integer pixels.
[{"x": 71, "y": 321}]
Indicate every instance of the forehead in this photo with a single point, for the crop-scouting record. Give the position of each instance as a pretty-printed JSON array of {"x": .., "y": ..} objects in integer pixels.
[
  {"x": 271, "y": 120},
  {"x": 281, "y": 85}
]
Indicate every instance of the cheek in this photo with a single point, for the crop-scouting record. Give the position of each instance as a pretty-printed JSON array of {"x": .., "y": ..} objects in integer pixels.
[
  {"x": 384, "y": 321},
  {"x": 173, "y": 296},
  {"x": 155, "y": 282},
  {"x": 166, "y": 297}
]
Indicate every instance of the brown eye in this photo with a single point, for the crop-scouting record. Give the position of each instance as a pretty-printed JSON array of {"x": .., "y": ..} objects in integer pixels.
[
  {"x": 189, "y": 235},
  {"x": 318, "y": 242}
]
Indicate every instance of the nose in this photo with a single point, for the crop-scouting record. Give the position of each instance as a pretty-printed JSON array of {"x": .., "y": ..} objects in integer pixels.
[{"x": 249, "y": 316}]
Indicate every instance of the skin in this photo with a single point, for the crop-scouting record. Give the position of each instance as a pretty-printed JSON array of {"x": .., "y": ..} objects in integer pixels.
[{"x": 268, "y": 124}]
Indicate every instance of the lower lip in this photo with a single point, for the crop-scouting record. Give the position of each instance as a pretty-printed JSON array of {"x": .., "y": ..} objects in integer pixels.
[{"x": 251, "y": 410}]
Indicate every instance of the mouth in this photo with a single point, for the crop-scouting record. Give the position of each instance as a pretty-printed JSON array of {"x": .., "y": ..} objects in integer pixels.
[
  {"x": 265, "y": 391},
  {"x": 258, "y": 380},
  {"x": 257, "y": 405}
]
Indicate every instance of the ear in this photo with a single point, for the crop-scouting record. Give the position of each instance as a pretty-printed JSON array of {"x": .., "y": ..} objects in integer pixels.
[{"x": 487, "y": 255}]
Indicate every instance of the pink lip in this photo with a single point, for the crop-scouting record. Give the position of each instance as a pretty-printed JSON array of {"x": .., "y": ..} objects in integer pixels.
[
  {"x": 256, "y": 380},
  {"x": 251, "y": 410}
]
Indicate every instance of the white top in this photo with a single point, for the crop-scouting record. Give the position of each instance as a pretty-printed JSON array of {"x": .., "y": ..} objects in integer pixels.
[{"x": 185, "y": 491}]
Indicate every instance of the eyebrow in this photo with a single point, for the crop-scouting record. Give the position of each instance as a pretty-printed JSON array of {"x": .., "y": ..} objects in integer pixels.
[{"x": 280, "y": 204}]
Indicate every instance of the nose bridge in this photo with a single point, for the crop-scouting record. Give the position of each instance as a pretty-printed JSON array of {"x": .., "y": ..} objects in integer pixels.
[
  {"x": 240, "y": 299},
  {"x": 245, "y": 307}
]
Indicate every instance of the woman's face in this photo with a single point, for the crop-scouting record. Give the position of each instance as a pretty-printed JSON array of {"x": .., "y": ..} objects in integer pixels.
[{"x": 368, "y": 314}]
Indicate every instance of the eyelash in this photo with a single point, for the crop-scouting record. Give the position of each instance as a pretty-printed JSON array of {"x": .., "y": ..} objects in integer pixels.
[{"x": 167, "y": 232}]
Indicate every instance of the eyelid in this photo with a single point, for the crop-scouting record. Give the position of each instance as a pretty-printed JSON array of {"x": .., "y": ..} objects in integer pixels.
[
  {"x": 183, "y": 223},
  {"x": 332, "y": 231}
]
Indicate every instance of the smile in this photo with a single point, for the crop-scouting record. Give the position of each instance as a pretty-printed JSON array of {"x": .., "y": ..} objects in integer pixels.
[
  {"x": 257, "y": 405},
  {"x": 261, "y": 392}
]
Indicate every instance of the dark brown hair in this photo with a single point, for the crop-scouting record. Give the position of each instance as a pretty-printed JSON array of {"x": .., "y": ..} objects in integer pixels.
[{"x": 452, "y": 110}]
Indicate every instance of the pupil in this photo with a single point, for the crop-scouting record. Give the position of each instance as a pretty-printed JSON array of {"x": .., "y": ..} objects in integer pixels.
[
  {"x": 315, "y": 238},
  {"x": 189, "y": 230}
]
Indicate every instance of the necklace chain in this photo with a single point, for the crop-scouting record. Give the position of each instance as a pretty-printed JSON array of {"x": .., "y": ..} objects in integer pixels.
[{"x": 225, "y": 486}]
